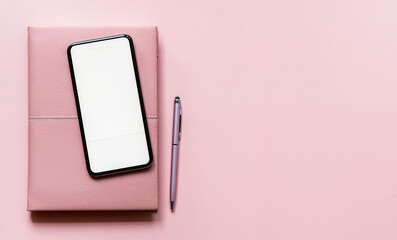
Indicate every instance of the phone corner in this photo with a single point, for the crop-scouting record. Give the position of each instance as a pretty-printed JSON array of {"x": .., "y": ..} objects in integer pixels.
[
  {"x": 92, "y": 173},
  {"x": 69, "y": 49},
  {"x": 148, "y": 164},
  {"x": 126, "y": 36}
]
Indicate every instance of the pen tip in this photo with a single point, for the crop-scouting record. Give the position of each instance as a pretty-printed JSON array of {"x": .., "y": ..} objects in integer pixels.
[
  {"x": 172, "y": 206},
  {"x": 177, "y": 99}
]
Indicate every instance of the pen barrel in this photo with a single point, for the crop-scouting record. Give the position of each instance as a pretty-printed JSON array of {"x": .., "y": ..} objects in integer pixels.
[{"x": 174, "y": 166}]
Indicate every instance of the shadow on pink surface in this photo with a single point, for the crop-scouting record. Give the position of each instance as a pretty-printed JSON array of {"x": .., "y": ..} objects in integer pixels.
[{"x": 87, "y": 216}]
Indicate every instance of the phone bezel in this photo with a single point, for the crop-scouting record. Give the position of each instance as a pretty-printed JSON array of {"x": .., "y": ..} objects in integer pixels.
[{"x": 143, "y": 112}]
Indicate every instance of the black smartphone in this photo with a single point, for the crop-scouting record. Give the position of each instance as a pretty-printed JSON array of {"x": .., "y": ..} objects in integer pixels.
[{"x": 109, "y": 104}]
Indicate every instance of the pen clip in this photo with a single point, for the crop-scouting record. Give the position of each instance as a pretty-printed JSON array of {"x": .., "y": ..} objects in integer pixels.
[{"x": 180, "y": 122}]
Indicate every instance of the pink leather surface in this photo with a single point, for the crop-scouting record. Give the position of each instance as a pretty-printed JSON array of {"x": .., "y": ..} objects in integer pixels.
[
  {"x": 58, "y": 179},
  {"x": 50, "y": 87}
]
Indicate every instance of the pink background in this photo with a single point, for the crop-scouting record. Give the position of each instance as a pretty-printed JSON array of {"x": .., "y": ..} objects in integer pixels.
[{"x": 290, "y": 119}]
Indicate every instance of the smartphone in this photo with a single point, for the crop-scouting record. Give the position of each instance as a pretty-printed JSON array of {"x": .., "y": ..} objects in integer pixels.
[{"x": 109, "y": 104}]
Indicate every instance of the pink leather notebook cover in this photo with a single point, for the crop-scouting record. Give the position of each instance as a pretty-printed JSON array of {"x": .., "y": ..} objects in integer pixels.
[{"x": 58, "y": 179}]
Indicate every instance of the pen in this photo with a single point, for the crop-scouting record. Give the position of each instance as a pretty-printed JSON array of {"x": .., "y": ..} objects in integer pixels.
[{"x": 176, "y": 137}]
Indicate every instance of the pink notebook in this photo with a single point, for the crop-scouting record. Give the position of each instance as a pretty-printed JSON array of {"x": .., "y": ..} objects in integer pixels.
[{"x": 58, "y": 178}]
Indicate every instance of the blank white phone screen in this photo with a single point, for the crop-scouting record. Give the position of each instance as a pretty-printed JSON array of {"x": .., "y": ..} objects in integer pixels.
[{"x": 109, "y": 105}]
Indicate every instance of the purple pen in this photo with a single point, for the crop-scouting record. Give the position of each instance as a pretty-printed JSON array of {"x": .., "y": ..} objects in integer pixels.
[{"x": 176, "y": 137}]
